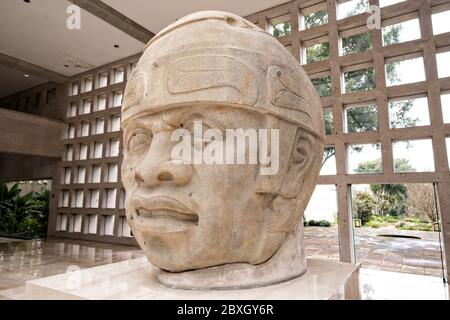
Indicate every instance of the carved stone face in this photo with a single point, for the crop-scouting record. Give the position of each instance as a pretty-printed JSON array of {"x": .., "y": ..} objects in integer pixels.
[
  {"x": 192, "y": 216},
  {"x": 188, "y": 216}
]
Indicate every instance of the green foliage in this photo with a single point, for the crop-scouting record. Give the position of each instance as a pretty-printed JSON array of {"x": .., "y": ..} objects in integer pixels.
[
  {"x": 328, "y": 153},
  {"x": 356, "y": 80},
  {"x": 418, "y": 226},
  {"x": 328, "y": 118},
  {"x": 318, "y": 223},
  {"x": 359, "y": 80},
  {"x": 401, "y": 116},
  {"x": 316, "y": 19},
  {"x": 389, "y": 198},
  {"x": 322, "y": 85},
  {"x": 318, "y": 52},
  {"x": 374, "y": 166},
  {"x": 361, "y": 6},
  {"x": 282, "y": 29},
  {"x": 373, "y": 224},
  {"x": 25, "y": 215},
  {"x": 365, "y": 205},
  {"x": 360, "y": 119},
  {"x": 357, "y": 43},
  {"x": 392, "y": 34}
]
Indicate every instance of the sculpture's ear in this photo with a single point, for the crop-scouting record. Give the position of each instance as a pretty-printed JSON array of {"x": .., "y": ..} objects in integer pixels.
[{"x": 301, "y": 162}]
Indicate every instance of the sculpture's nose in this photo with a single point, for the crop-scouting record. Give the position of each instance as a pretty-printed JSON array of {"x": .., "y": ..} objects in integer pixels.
[{"x": 157, "y": 167}]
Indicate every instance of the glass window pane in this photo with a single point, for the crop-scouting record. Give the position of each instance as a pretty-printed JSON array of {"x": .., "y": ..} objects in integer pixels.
[
  {"x": 315, "y": 19},
  {"x": 401, "y": 32},
  {"x": 328, "y": 119},
  {"x": 413, "y": 156},
  {"x": 445, "y": 104},
  {"x": 115, "y": 123},
  {"x": 361, "y": 118},
  {"x": 88, "y": 84},
  {"x": 351, "y": 8},
  {"x": 96, "y": 173},
  {"x": 281, "y": 29},
  {"x": 404, "y": 72},
  {"x": 359, "y": 80},
  {"x": 117, "y": 99},
  {"x": 328, "y": 162},
  {"x": 364, "y": 158},
  {"x": 111, "y": 199},
  {"x": 118, "y": 75},
  {"x": 83, "y": 152},
  {"x": 357, "y": 43},
  {"x": 321, "y": 232},
  {"x": 322, "y": 210},
  {"x": 99, "y": 125},
  {"x": 440, "y": 22},
  {"x": 101, "y": 103},
  {"x": 443, "y": 64},
  {"x": 317, "y": 52},
  {"x": 102, "y": 80},
  {"x": 412, "y": 112},
  {"x": 385, "y": 3},
  {"x": 322, "y": 85}
]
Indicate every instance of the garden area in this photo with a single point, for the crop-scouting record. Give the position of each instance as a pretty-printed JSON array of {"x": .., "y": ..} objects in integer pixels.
[
  {"x": 23, "y": 214},
  {"x": 403, "y": 207}
]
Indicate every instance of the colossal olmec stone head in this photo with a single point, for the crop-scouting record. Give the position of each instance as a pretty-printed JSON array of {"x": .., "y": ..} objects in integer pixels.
[{"x": 224, "y": 71}]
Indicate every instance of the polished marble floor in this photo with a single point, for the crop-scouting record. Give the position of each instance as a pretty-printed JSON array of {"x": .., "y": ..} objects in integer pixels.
[{"x": 21, "y": 261}]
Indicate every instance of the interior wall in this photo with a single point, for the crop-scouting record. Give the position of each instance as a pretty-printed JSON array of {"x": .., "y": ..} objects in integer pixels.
[
  {"x": 16, "y": 167},
  {"x": 43, "y": 100}
]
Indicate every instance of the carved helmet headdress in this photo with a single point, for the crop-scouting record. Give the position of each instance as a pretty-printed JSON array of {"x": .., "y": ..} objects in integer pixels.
[{"x": 246, "y": 67}]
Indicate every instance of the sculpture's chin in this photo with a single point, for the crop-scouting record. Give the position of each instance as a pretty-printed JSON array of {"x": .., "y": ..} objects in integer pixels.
[
  {"x": 178, "y": 264},
  {"x": 287, "y": 263}
]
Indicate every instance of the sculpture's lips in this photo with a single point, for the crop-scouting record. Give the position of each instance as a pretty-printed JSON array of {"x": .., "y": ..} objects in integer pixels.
[
  {"x": 165, "y": 209},
  {"x": 144, "y": 212}
]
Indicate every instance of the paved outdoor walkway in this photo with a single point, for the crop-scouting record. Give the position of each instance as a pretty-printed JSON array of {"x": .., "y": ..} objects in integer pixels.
[{"x": 417, "y": 256}]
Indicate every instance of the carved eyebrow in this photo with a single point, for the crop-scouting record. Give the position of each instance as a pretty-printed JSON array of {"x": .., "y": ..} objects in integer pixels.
[
  {"x": 212, "y": 123},
  {"x": 144, "y": 122}
]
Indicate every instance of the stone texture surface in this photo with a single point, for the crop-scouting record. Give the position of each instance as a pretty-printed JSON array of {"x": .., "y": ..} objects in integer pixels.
[
  {"x": 225, "y": 71},
  {"x": 124, "y": 280}
]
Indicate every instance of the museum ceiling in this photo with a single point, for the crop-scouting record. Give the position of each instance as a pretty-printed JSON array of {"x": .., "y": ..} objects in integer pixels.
[{"x": 42, "y": 48}]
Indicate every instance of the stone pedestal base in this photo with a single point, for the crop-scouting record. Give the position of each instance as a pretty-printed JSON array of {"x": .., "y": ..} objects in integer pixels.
[{"x": 136, "y": 279}]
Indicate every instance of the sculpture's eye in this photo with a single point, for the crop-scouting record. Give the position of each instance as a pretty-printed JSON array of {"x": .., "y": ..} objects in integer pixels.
[
  {"x": 197, "y": 127},
  {"x": 139, "y": 138}
]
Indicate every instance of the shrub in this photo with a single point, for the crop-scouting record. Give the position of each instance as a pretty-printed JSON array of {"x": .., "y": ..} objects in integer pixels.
[
  {"x": 416, "y": 226},
  {"x": 23, "y": 215},
  {"x": 365, "y": 205},
  {"x": 318, "y": 223},
  {"x": 373, "y": 224}
]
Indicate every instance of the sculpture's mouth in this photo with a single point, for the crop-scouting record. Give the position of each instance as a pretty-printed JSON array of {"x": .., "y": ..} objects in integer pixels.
[
  {"x": 163, "y": 215},
  {"x": 158, "y": 213}
]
